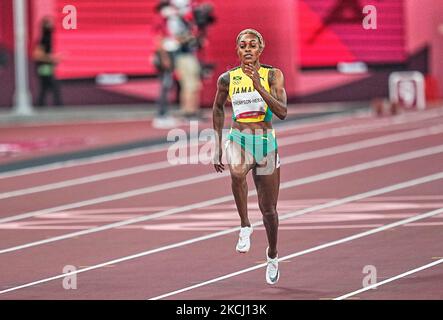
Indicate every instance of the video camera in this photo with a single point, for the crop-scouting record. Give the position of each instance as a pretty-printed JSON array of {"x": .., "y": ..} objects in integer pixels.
[{"x": 204, "y": 15}]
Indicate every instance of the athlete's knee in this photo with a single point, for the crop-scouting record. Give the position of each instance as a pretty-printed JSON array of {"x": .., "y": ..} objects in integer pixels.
[
  {"x": 269, "y": 212},
  {"x": 238, "y": 174}
]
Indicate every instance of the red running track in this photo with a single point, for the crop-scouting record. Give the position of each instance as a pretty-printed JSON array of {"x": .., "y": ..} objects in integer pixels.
[{"x": 184, "y": 253}]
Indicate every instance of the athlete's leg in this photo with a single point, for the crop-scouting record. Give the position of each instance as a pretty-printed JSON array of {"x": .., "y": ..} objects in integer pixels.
[
  {"x": 240, "y": 162},
  {"x": 267, "y": 181}
]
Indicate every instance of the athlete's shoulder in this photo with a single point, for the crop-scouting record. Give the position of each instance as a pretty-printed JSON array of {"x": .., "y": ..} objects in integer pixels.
[
  {"x": 271, "y": 68},
  {"x": 224, "y": 79},
  {"x": 266, "y": 66},
  {"x": 275, "y": 74}
]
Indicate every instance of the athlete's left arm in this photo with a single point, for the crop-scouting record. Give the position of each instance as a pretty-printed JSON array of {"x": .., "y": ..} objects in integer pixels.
[{"x": 276, "y": 99}]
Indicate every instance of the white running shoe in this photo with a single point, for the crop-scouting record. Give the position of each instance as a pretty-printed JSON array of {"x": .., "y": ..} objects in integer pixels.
[
  {"x": 244, "y": 243},
  {"x": 272, "y": 272}
]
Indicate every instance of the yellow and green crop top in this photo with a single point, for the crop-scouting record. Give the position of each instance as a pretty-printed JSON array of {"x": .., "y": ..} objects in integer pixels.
[{"x": 247, "y": 103}]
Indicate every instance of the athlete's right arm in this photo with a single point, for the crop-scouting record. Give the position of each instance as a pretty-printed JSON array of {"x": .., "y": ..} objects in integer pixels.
[{"x": 218, "y": 117}]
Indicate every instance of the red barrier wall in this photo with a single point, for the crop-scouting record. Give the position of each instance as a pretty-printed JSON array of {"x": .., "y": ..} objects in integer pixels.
[
  {"x": 332, "y": 31},
  {"x": 277, "y": 20},
  {"x": 6, "y": 47},
  {"x": 6, "y": 22},
  {"x": 424, "y": 24},
  {"x": 272, "y": 18},
  {"x": 118, "y": 37}
]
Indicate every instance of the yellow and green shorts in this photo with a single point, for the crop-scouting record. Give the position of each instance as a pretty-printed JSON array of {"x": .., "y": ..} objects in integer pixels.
[{"x": 259, "y": 145}]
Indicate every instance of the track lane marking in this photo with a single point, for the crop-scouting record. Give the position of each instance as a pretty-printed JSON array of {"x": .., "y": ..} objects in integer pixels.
[
  {"x": 400, "y": 119},
  {"x": 313, "y": 249},
  {"x": 391, "y": 188},
  {"x": 151, "y": 149},
  {"x": 289, "y": 184},
  {"x": 353, "y": 146},
  {"x": 285, "y": 141},
  {"x": 402, "y": 275}
]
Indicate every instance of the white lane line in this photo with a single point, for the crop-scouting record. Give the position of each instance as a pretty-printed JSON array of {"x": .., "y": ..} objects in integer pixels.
[
  {"x": 395, "y": 187},
  {"x": 350, "y": 129},
  {"x": 203, "y": 178},
  {"x": 378, "y": 284},
  {"x": 291, "y": 140},
  {"x": 289, "y": 184},
  {"x": 88, "y": 179},
  {"x": 308, "y": 137},
  {"x": 299, "y": 253},
  {"x": 116, "y": 196},
  {"x": 157, "y": 148},
  {"x": 334, "y": 132},
  {"x": 368, "y": 143},
  {"x": 330, "y": 119},
  {"x": 84, "y": 161}
]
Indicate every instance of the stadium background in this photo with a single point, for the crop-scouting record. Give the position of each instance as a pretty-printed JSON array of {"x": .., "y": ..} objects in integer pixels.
[{"x": 117, "y": 37}]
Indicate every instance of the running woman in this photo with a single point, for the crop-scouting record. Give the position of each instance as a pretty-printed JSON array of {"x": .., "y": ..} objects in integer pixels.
[{"x": 256, "y": 92}]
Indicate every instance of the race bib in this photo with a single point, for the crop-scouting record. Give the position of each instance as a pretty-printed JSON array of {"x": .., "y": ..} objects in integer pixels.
[{"x": 248, "y": 104}]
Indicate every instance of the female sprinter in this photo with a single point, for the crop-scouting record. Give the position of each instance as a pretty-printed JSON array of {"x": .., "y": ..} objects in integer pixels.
[{"x": 257, "y": 93}]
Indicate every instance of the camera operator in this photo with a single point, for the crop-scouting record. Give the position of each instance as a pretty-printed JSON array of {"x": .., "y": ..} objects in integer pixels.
[
  {"x": 185, "y": 26},
  {"x": 164, "y": 60}
]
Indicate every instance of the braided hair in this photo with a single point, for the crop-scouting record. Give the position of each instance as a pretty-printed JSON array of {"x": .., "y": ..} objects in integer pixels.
[{"x": 255, "y": 33}]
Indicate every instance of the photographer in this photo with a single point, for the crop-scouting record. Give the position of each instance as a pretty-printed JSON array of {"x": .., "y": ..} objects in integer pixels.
[
  {"x": 166, "y": 47},
  {"x": 184, "y": 32}
]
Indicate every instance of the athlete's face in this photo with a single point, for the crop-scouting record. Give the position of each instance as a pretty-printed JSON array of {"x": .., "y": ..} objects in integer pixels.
[{"x": 248, "y": 49}]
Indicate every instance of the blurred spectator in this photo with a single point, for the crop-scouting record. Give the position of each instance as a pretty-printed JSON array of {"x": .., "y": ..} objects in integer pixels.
[
  {"x": 187, "y": 65},
  {"x": 46, "y": 62},
  {"x": 166, "y": 48},
  {"x": 184, "y": 31}
]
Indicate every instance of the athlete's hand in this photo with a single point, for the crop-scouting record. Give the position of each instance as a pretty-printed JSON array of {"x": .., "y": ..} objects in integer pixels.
[
  {"x": 252, "y": 73},
  {"x": 218, "y": 164}
]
